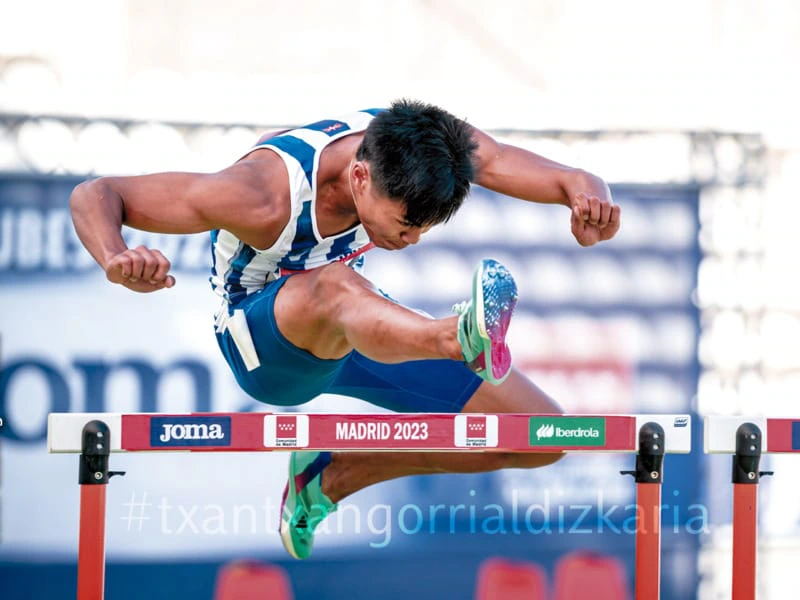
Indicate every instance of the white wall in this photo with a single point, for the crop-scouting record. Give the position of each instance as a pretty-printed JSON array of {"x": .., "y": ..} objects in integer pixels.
[{"x": 502, "y": 63}]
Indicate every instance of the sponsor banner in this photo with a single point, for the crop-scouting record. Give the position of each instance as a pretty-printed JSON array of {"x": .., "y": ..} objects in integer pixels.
[
  {"x": 190, "y": 431},
  {"x": 285, "y": 431},
  {"x": 567, "y": 431},
  {"x": 476, "y": 431},
  {"x": 252, "y": 432}
]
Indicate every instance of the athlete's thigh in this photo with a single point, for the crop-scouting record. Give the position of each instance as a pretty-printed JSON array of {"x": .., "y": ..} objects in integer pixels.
[
  {"x": 276, "y": 371},
  {"x": 306, "y": 305},
  {"x": 517, "y": 394},
  {"x": 415, "y": 386}
]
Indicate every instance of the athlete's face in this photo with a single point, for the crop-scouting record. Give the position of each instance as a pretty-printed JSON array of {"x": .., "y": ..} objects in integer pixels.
[{"x": 384, "y": 219}]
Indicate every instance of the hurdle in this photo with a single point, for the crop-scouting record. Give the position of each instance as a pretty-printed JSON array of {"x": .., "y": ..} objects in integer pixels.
[
  {"x": 747, "y": 438},
  {"x": 96, "y": 435}
]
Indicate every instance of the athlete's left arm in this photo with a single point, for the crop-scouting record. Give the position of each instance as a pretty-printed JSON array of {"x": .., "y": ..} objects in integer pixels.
[{"x": 522, "y": 174}]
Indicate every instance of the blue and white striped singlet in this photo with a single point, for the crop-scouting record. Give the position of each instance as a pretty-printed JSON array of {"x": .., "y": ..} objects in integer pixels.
[{"x": 239, "y": 269}]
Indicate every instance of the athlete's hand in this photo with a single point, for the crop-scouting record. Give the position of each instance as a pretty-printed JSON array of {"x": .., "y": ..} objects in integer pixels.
[
  {"x": 594, "y": 219},
  {"x": 140, "y": 269}
]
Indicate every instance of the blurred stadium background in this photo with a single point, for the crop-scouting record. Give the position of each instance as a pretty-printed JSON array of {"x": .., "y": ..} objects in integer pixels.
[{"x": 689, "y": 111}]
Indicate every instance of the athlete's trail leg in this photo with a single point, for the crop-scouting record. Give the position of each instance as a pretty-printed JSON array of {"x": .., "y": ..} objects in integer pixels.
[{"x": 350, "y": 472}]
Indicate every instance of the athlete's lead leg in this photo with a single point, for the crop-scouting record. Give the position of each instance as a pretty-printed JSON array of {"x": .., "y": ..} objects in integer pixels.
[{"x": 331, "y": 311}]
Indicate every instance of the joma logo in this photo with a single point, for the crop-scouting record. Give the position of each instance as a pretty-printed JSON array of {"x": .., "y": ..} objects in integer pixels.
[{"x": 191, "y": 432}]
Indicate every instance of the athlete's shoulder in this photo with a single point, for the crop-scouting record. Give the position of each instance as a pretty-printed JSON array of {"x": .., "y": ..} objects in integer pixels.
[
  {"x": 260, "y": 202},
  {"x": 304, "y": 141},
  {"x": 355, "y": 121}
]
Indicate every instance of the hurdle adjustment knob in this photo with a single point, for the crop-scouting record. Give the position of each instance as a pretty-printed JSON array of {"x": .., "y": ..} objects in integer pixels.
[
  {"x": 748, "y": 454},
  {"x": 95, "y": 448},
  {"x": 650, "y": 459}
]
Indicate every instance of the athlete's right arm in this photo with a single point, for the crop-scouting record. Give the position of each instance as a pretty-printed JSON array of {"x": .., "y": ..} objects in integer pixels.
[{"x": 248, "y": 199}]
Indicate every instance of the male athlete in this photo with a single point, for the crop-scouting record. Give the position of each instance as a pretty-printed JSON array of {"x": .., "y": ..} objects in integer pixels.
[{"x": 289, "y": 224}]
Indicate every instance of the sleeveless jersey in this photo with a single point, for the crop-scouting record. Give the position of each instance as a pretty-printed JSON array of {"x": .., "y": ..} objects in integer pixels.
[{"x": 239, "y": 269}]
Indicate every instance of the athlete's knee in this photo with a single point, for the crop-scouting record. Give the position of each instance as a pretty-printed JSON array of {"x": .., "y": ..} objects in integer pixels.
[
  {"x": 336, "y": 280},
  {"x": 336, "y": 287}
]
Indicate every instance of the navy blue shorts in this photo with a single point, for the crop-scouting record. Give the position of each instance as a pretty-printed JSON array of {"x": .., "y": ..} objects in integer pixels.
[{"x": 288, "y": 375}]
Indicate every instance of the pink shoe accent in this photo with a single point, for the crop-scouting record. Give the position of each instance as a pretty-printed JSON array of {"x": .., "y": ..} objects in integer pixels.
[{"x": 501, "y": 354}]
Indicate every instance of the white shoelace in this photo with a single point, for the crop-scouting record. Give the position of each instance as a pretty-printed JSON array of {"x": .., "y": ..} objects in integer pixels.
[{"x": 460, "y": 307}]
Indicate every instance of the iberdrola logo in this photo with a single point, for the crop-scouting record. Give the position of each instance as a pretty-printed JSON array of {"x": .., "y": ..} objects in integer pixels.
[
  {"x": 545, "y": 431},
  {"x": 567, "y": 431}
]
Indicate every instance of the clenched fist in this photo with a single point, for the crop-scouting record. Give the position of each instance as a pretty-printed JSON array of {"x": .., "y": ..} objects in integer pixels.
[
  {"x": 140, "y": 269},
  {"x": 594, "y": 219}
]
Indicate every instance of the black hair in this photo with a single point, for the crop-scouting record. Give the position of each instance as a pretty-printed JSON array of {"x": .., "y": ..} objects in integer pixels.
[{"x": 423, "y": 156}]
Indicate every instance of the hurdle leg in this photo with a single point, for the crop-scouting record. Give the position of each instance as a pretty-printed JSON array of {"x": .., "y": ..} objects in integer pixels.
[
  {"x": 745, "y": 476},
  {"x": 648, "y": 475},
  {"x": 648, "y": 542},
  {"x": 91, "y": 542},
  {"x": 93, "y": 477},
  {"x": 745, "y": 537}
]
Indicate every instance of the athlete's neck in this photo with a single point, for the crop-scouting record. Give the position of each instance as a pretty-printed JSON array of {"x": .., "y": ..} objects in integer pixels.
[{"x": 336, "y": 210}]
